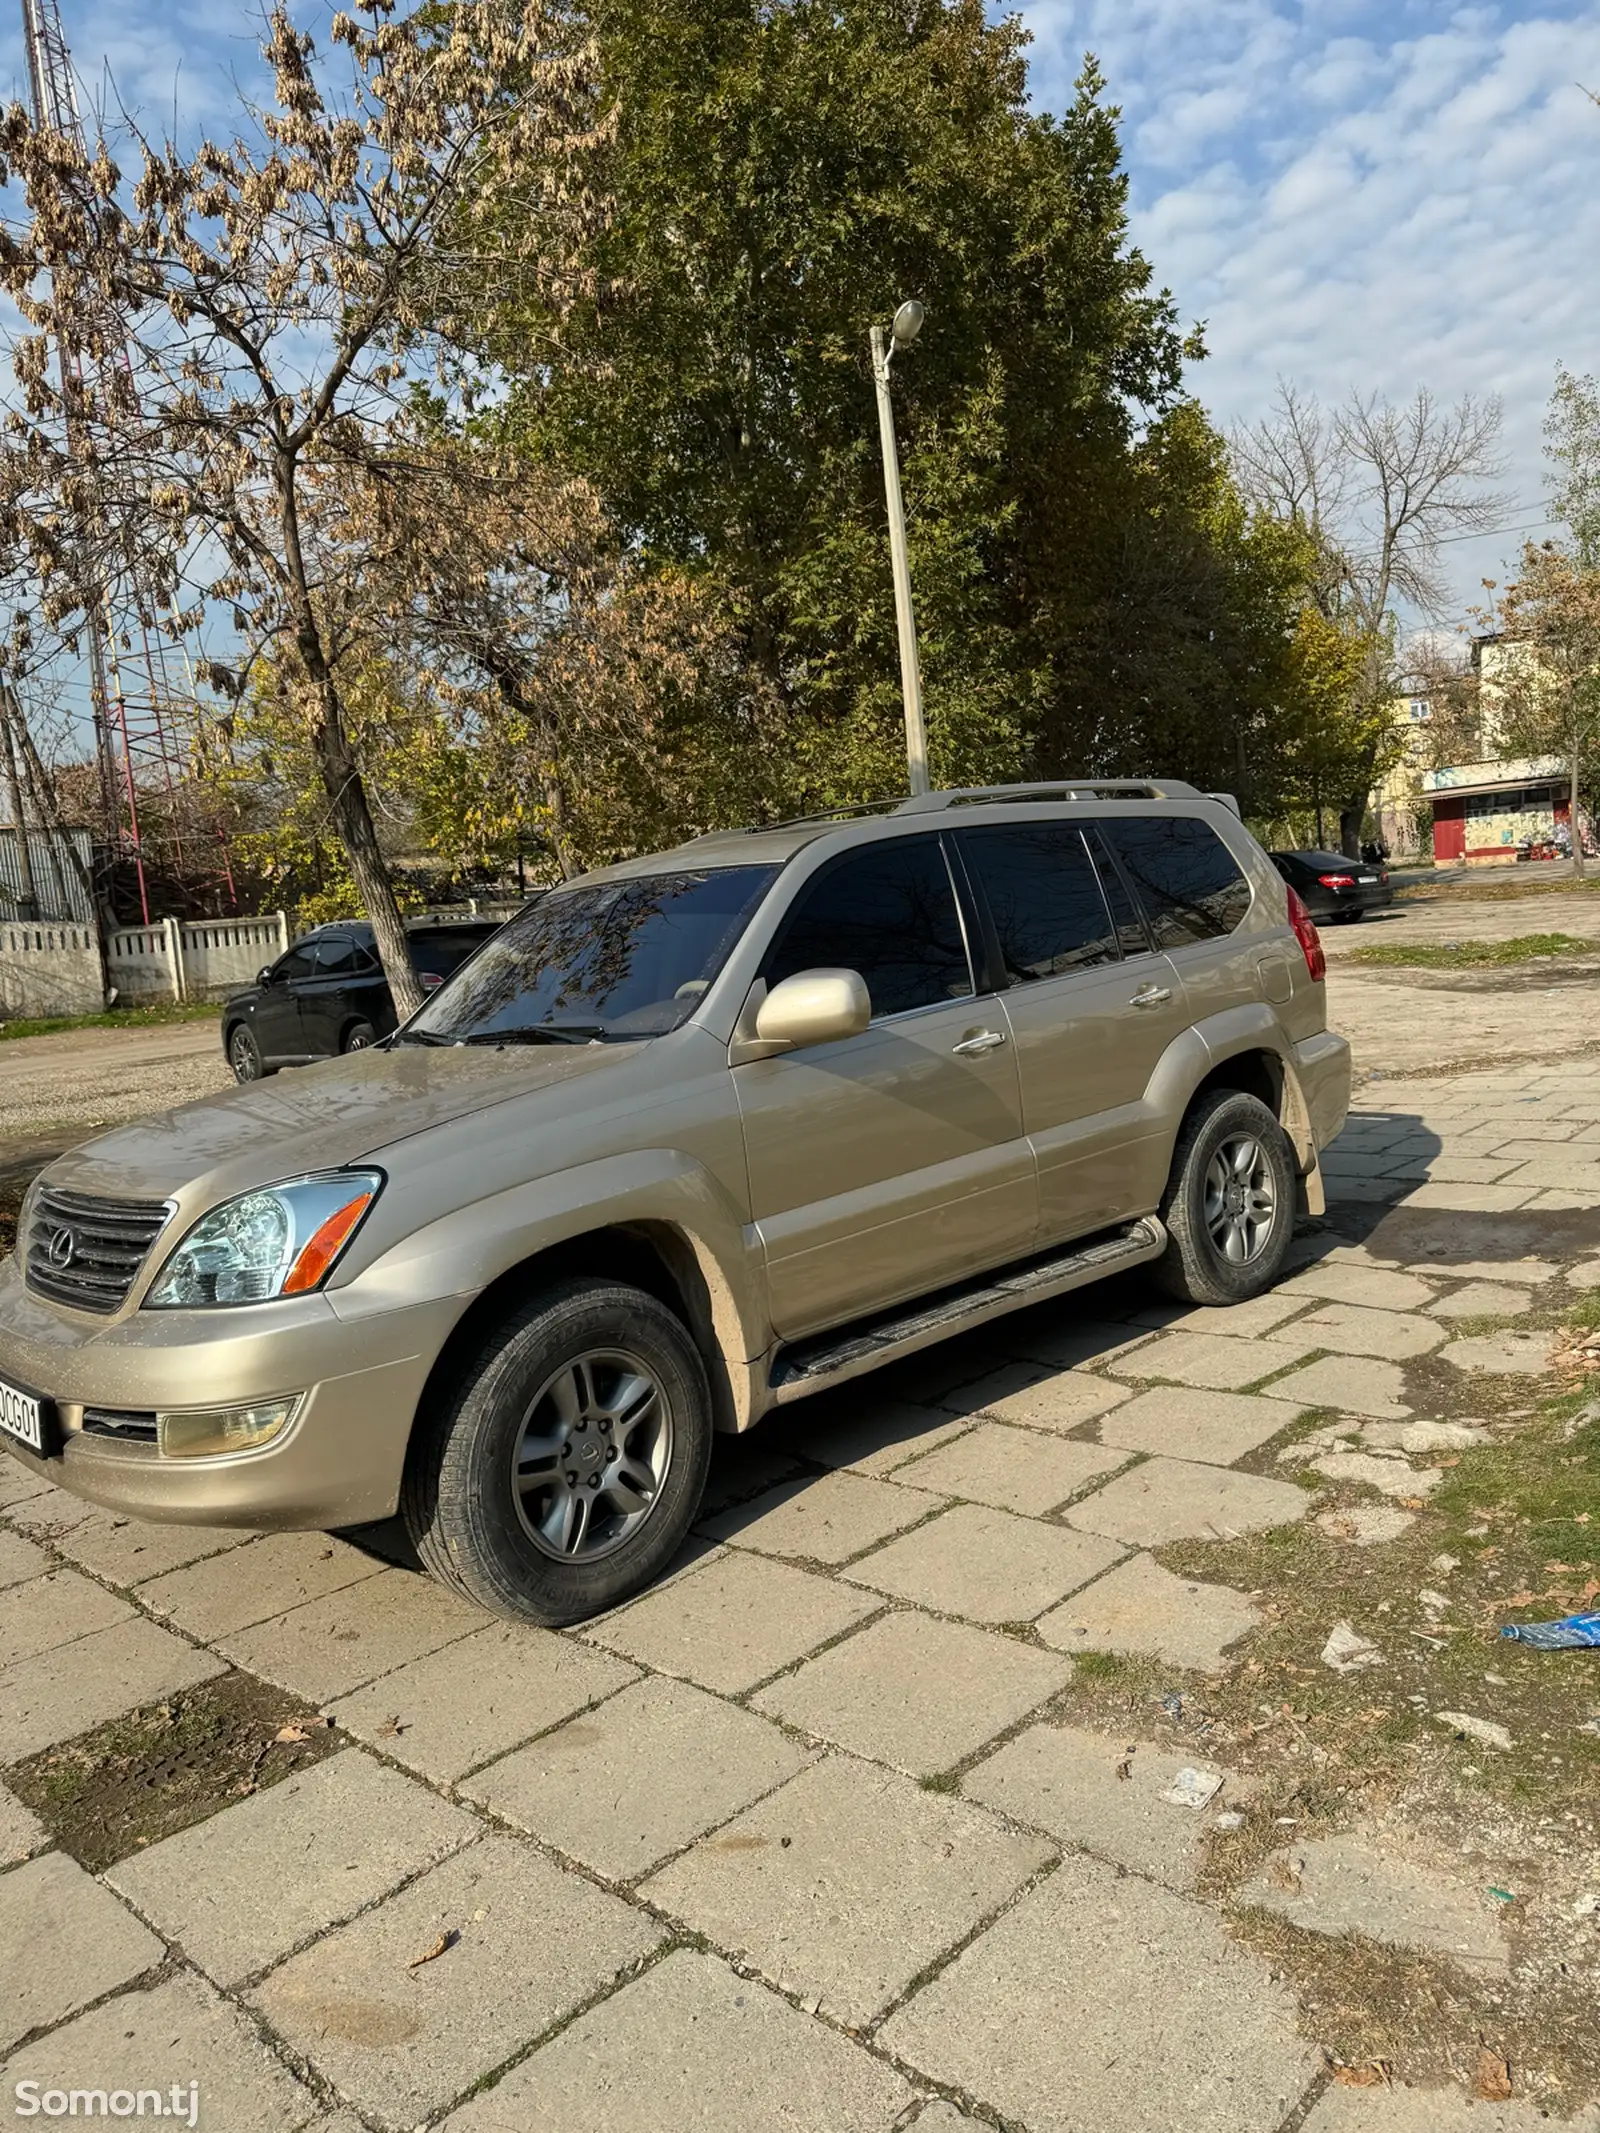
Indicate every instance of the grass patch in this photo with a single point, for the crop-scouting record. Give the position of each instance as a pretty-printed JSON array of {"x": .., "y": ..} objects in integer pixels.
[
  {"x": 114, "y": 1018},
  {"x": 1471, "y": 955},
  {"x": 132, "y": 1782}
]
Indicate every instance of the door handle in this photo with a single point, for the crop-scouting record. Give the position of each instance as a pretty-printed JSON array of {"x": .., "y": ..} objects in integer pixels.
[
  {"x": 1151, "y": 996},
  {"x": 982, "y": 1040}
]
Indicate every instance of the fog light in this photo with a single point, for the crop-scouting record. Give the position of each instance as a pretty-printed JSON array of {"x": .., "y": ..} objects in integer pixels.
[{"x": 204, "y": 1432}]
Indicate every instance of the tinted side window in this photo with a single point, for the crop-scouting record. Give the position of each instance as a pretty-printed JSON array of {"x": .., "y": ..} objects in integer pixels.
[
  {"x": 437, "y": 954},
  {"x": 1046, "y": 904},
  {"x": 299, "y": 962},
  {"x": 1186, "y": 877},
  {"x": 888, "y": 912},
  {"x": 1132, "y": 938},
  {"x": 337, "y": 956}
]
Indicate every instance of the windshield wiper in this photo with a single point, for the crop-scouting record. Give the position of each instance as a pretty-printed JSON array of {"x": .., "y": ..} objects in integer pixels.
[
  {"x": 419, "y": 1036},
  {"x": 539, "y": 1033}
]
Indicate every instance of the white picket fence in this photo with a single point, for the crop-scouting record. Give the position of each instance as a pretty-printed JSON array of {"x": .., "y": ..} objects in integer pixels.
[{"x": 55, "y": 969}]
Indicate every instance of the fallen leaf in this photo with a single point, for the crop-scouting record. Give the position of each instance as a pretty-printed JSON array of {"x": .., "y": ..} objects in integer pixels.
[
  {"x": 1375, "y": 2076},
  {"x": 1494, "y": 2076},
  {"x": 391, "y": 1729},
  {"x": 441, "y": 1946},
  {"x": 291, "y": 1733},
  {"x": 1125, "y": 1767}
]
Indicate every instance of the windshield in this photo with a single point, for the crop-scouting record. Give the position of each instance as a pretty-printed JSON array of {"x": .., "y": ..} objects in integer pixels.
[{"x": 619, "y": 960}]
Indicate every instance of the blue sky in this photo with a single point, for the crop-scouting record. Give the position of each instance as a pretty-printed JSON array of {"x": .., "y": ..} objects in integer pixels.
[{"x": 1352, "y": 195}]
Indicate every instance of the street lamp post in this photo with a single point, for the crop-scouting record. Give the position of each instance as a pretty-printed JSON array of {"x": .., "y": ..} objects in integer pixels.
[{"x": 907, "y": 325}]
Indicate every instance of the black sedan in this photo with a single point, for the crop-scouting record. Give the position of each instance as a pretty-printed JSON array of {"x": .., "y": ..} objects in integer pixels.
[
  {"x": 328, "y": 994},
  {"x": 1332, "y": 886}
]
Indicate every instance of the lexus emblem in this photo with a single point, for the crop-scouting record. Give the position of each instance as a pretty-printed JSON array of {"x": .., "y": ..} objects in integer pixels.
[{"x": 61, "y": 1247}]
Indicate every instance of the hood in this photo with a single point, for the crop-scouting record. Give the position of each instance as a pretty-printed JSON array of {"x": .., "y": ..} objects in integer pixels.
[{"x": 316, "y": 1118}]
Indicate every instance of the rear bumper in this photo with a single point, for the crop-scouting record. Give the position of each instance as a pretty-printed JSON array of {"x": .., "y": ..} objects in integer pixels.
[
  {"x": 1343, "y": 903},
  {"x": 338, "y": 1464},
  {"x": 1322, "y": 1065}
]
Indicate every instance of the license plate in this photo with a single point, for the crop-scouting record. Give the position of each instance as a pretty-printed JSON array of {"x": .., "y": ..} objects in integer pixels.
[
  {"x": 1364, "y": 879},
  {"x": 22, "y": 1417}
]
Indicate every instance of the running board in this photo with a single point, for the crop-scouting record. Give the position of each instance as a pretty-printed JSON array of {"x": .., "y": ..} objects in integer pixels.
[{"x": 811, "y": 1366}]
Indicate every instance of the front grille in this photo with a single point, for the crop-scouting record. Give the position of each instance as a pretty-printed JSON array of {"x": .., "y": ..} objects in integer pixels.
[
  {"x": 86, "y": 1251},
  {"x": 130, "y": 1424}
]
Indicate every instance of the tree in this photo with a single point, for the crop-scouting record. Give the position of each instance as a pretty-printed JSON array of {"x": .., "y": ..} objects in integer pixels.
[
  {"x": 781, "y": 173},
  {"x": 1547, "y": 687},
  {"x": 1572, "y": 444},
  {"x": 280, "y": 296},
  {"x": 1378, "y": 489}
]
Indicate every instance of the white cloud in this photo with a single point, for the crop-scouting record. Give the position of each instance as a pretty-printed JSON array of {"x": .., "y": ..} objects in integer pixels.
[{"x": 1362, "y": 196}]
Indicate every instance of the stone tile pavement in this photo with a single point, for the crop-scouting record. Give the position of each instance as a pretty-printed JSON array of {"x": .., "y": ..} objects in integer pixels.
[{"x": 808, "y": 1839}]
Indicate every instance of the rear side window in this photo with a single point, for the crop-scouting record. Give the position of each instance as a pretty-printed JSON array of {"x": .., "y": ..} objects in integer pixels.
[
  {"x": 1043, "y": 895},
  {"x": 337, "y": 956},
  {"x": 1184, "y": 875},
  {"x": 437, "y": 954},
  {"x": 888, "y": 912}
]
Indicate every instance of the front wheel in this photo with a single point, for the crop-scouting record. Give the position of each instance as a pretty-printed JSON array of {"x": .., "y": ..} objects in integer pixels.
[
  {"x": 1229, "y": 1205},
  {"x": 566, "y": 1464},
  {"x": 244, "y": 1056}
]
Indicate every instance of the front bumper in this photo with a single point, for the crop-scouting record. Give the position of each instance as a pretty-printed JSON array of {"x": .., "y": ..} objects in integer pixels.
[{"x": 338, "y": 1464}]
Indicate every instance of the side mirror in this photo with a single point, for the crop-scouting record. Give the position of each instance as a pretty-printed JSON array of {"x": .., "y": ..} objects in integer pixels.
[
  {"x": 814, "y": 1007},
  {"x": 266, "y": 975}
]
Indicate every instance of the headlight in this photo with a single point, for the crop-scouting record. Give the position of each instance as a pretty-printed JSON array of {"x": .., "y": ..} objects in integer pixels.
[{"x": 280, "y": 1241}]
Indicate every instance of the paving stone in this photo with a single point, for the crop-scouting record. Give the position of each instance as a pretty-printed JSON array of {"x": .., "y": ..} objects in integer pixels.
[
  {"x": 1212, "y": 1359},
  {"x": 1395, "y": 2110},
  {"x": 874, "y": 1438},
  {"x": 1060, "y": 1400},
  {"x": 60, "y": 1694},
  {"x": 1242, "y": 1321},
  {"x": 1472, "y": 1199},
  {"x": 1482, "y": 1299},
  {"x": 1176, "y": 1499},
  {"x": 18, "y": 1485},
  {"x": 249, "y": 1585},
  {"x": 1104, "y": 1793},
  {"x": 21, "y": 1831},
  {"x": 1140, "y": 1608},
  {"x": 1339, "y": 1282},
  {"x": 244, "y": 1888},
  {"x": 1103, "y": 2001},
  {"x": 985, "y": 1564},
  {"x": 821, "y": 1518},
  {"x": 64, "y": 1940},
  {"x": 626, "y": 1785},
  {"x": 1534, "y": 1134},
  {"x": 1050, "y": 1334},
  {"x": 332, "y": 1645},
  {"x": 1356, "y": 1329},
  {"x": 178, "y": 2032},
  {"x": 692, "y": 2045},
  {"x": 1360, "y": 1385},
  {"x": 402, "y": 2039},
  {"x": 1509, "y": 1354},
  {"x": 1458, "y": 1169},
  {"x": 461, "y": 1706},
  {"x": 1531, "y": 1149},
  {"x": 846, "y": 1884},
  {"x": 915, "y": 1692},
  {"x": 1390, "y": 1477},
  {"x": 1338, "y": 1885},
  {"x": 1214, "y": 1427},
  {"x": 941, "y": 2117},
  {"x": 1366, "y": 1525},
  {"x": 1013, "y": 1469},
  {"x": 733, "y": 1622},
  {"x": 1584, "y": 1276},
  {"x": 1562, "y": 1170},
  {"x": 54, "y": 1610},
  {"x": 128, "y": 1550},
  {"x": 21, "y": 1559},
  {"x": 1425, "y": 1436}
]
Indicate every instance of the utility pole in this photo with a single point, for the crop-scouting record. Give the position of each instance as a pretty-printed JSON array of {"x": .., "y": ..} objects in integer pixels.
[{"x": 907, "y": 325}]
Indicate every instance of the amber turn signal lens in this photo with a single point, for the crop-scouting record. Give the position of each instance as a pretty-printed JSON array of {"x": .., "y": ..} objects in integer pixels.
[{"x": 322, "y": 1247}]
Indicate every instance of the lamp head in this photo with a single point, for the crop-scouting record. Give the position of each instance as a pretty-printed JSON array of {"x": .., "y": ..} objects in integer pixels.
[{"x": 907, "y": 323}]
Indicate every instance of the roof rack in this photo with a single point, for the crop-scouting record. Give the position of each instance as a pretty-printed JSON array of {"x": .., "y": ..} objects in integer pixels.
[{"x": 1052, "y": 789}]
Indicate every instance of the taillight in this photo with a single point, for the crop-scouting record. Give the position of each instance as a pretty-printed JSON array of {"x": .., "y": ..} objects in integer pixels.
[
  {"x": 1337, "y": 881},
  {"x": 429, "y": 980},
  {"x": 1383, "y": 876},
  {"x": 1310, "y": 940}
]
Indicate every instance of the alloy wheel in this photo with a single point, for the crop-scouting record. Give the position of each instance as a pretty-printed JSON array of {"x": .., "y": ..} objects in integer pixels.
[
  {"x": 591, "y": 1455},
  {"x": 1241, "y": 1200}
]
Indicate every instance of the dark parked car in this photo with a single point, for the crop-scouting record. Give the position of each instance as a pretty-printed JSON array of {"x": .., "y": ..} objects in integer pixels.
[
  {"x": 1332, "y": 886},
  {"x": 328, "y": 994}
]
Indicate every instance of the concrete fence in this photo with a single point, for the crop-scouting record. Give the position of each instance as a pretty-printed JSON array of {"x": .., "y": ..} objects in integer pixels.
[{"x": 55, "y": 969}]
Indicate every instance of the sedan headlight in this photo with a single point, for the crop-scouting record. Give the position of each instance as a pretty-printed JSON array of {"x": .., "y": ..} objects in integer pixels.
[{"x": 281, "y": 1241}]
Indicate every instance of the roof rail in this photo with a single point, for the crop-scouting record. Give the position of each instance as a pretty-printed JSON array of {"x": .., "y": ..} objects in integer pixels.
[{"x": 1052, "y": 789}]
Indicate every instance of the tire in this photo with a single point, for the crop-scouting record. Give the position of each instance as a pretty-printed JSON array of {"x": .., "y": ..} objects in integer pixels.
[
  {"x": 550, "y": 1376},
  {"x": 1199, "y": 1264},
  {"x": 244, "y": 1055},
  {"x": 357, "y": 1037}
]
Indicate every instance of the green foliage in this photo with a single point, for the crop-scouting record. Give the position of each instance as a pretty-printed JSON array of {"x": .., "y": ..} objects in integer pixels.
[
  {"x": 1468, "y": 955},
  {"x": 1572, "y": 445},
  {"x": 1090, "y": 592}
]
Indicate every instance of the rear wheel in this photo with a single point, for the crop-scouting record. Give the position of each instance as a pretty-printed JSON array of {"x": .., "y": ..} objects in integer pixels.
[
  {"x": 358, "y": 1036},
  {"x": 1229, "y": 1205},
  {"x": 244, "y": 1056},
  {"x": 567, "y": 1464}
]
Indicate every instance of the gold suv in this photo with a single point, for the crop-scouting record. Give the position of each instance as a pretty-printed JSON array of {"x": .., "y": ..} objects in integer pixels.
[{"x": 685, "y": 1140}]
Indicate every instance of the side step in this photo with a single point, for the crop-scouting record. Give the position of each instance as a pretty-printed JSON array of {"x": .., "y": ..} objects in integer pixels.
[{"x": 810, "y": 1366}]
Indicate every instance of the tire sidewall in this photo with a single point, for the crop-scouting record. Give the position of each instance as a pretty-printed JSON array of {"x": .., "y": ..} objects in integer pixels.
[
  {"x": 473, "y": 1534},
  {"x": 1206, "y": 1276},
  {"x": 359, "y": 1037},
  {"x": 241, "y": 1041}
]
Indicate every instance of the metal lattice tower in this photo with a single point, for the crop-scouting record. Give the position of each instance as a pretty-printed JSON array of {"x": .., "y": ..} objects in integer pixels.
[{"x": 145, "y": 729}]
